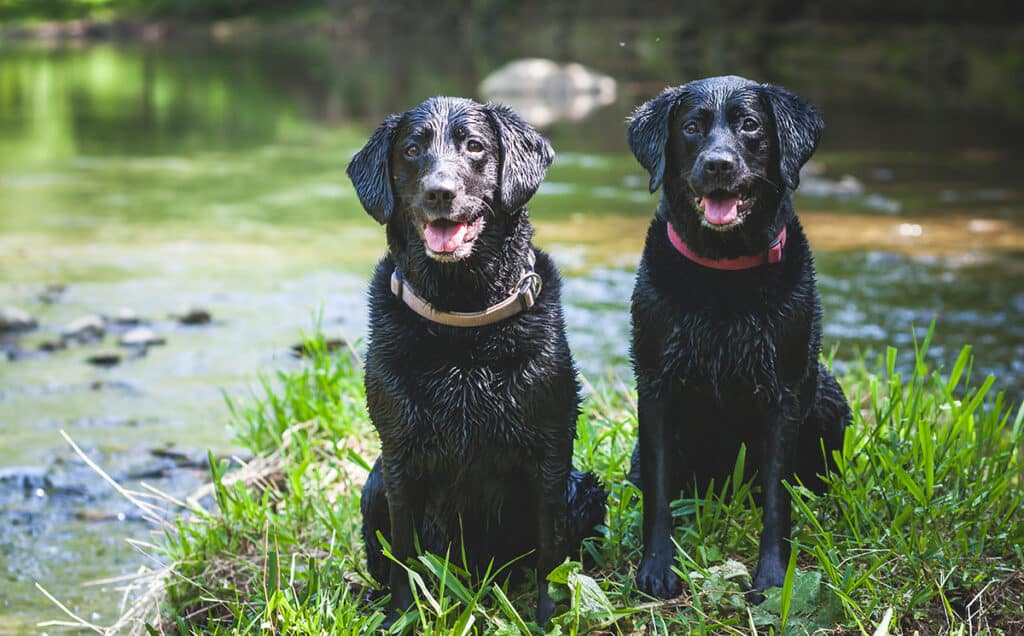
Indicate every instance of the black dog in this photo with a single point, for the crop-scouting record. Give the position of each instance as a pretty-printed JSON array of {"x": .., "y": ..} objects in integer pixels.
[
  {"x": 476, "y": 421},
  {"x": 726, "y": 316}
]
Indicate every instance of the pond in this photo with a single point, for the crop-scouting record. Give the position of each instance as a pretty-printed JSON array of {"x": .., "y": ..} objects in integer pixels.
[{"x": 210, "y": 172}]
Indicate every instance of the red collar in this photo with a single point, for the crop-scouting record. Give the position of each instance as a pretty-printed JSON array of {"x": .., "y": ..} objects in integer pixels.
[{"x": 772, "y": 256}]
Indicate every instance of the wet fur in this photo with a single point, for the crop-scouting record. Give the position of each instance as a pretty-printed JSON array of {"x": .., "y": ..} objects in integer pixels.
[
  {"x": 476, "y": 424},
  {"x": 724, "y": 358}
]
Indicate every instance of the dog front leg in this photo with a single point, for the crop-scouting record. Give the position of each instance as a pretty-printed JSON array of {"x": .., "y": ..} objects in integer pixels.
[
  {"x": 655, "y": 576},
  {"x": 406, "y": 500},
  {"x": 552, "y": 521},
  {"x": 776, "y": 465}
]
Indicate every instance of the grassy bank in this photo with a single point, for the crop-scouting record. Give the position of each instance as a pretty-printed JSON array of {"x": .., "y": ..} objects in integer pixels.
[{"x": 922, "y": 531}]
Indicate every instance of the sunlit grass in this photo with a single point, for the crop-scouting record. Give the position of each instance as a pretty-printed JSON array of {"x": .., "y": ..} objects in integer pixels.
[{"x": 924, "y": 520}]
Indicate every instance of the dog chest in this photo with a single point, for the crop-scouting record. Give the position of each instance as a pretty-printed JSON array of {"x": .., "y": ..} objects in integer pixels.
[{"x": 460, "y": 412}]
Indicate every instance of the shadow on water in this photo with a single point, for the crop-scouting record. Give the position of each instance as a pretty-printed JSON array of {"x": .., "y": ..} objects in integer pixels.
[{"x": 212, "y": 172}]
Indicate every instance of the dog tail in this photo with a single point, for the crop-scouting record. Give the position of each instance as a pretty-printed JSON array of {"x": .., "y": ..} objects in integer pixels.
[{"x": 587, "y": 501}]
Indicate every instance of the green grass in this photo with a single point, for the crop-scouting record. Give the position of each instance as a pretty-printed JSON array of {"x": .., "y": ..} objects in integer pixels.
[{"x": 922, "y": 530}]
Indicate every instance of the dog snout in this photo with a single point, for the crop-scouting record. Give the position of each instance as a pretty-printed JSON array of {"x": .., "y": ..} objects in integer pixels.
[
  {"x": 439, "y": 190},
  {"x": 718, "y": 165}
]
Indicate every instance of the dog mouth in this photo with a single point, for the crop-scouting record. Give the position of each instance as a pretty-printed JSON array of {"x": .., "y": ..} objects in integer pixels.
[
  {"x": 722, "y": 209},
  {"x": 447, "y": 237}
]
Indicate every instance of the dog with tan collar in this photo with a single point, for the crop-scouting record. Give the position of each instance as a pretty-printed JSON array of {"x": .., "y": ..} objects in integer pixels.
[{"x": 469, "y": 378}]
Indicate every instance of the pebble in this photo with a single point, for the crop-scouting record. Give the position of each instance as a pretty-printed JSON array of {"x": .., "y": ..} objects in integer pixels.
[
  {"x": 194, "y": 315},
  {"x": 104, "y": 359},
  {"x": 52, "y": 292},
  {"x": 140, "y": 337},
  {"x": 16, "y": 319},
  {"x": 85, "y": 329},
  {"x": 306, "y": 349},
  {"x": 52, "y": 345},
  {"x": 126, "y": 316}
]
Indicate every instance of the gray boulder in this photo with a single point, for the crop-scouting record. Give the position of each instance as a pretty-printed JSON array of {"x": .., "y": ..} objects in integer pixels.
[
  {"x": 140, "y": 337},
  {"x": 85, "y": 329},
  {"x": 14, "y": 319},
  {"x": 544, "y": 91}
]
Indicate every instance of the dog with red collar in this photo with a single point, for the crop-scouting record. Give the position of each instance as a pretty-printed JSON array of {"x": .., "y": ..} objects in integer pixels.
[{"x": 726, "y": 315}]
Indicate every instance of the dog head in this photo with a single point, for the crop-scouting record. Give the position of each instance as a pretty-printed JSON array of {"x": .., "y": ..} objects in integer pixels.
[
  {"x": 446, "y": 174},
  {"x": 726, "y": 150}
]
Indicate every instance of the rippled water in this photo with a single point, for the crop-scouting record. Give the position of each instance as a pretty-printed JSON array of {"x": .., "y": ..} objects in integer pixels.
[{"x": 157, "y": 177}]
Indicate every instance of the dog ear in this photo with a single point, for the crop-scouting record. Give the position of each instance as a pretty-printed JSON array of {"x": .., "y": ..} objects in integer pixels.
[
  {"x": 525, "y": 156},
  {"x": 370, "y": 171},
  {"x": 648, "y": 132},
  {"x": 798, "y": 127}
]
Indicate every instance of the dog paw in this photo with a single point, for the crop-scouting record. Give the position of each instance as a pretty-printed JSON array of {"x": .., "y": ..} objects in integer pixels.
[
  {"x": 389, "y": 622},
  {"x": 656, "y": 578},
  {"x": 766, "y": 575}
]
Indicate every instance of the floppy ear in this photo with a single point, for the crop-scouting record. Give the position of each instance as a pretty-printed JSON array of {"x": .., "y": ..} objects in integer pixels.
[
  {"x": 798, "y": 127},
  {"x": 648, "y": 132},
  {"x": 370, "y": 171},
  {"x": 525, "y": 156}
]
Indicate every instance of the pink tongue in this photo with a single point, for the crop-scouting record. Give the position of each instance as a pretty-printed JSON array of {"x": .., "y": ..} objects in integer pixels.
[
  {"x": 720, "y": 212},
  {"x": 444, "y": 237}
]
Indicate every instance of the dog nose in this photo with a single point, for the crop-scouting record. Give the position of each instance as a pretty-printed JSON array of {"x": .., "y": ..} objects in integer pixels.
[
  {"x": 439, "y": 189},
  {"x": 440, "y": 194},
  {"x": 718, "y": 165}
]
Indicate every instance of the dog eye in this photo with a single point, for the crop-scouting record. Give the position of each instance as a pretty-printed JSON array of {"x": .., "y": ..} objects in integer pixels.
[
  {"x": 412, "y": 150},
  {"x": 750, "y": 124},
  {"x": 474, "y": 146},
  {"x": 691, "y": 128}
]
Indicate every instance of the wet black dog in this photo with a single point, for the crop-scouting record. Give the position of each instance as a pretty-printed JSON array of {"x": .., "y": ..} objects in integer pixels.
[
  {"x": 726, "y": 316},
  {"x": 476, "y": 422}
]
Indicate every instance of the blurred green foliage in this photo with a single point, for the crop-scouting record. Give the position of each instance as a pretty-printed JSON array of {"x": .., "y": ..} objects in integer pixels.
[
  {"x": 990, "y": 11},
  {"x": 200, "y": 9}
]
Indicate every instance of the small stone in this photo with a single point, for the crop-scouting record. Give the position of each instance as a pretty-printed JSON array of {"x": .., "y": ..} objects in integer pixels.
[
  {"x": 85, "y": 329},
  {"x": 16, "y": 319},
  {"x": 51, "y": 345},
  {"x": 52, "y": 292},
  {"x": 194, "y": 315},
  {"x": 306, "y": 349},
  {"x": 126, "y": 316},
  {"x": 140, "y": 337},
  {"x": 104, "y": 359}
]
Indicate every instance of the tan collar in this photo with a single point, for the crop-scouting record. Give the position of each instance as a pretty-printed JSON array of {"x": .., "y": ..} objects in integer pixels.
[{"x": 522, "y": 297}]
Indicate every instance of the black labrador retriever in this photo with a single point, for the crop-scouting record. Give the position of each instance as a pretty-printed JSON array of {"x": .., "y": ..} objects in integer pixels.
[
  {"x": 726, "y": 316},
  {"x": 469, "y": 378}
]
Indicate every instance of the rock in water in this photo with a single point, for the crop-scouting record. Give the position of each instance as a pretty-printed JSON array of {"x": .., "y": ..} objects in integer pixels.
[
  {"x": 15, "y": 319},
  {"x": 140, "y": 337},
  {"x": 104, "y": 359},
  {"x": 307, "y": 348},
  {"x": 85, "y": 329},
  {"x": 194, "y": 315},
  {"x": 52, "y": 292},
  {"x": 543, "y": 91},
  {"x": 126, "y": 316},
  {"x": 51, "y": 345}
]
